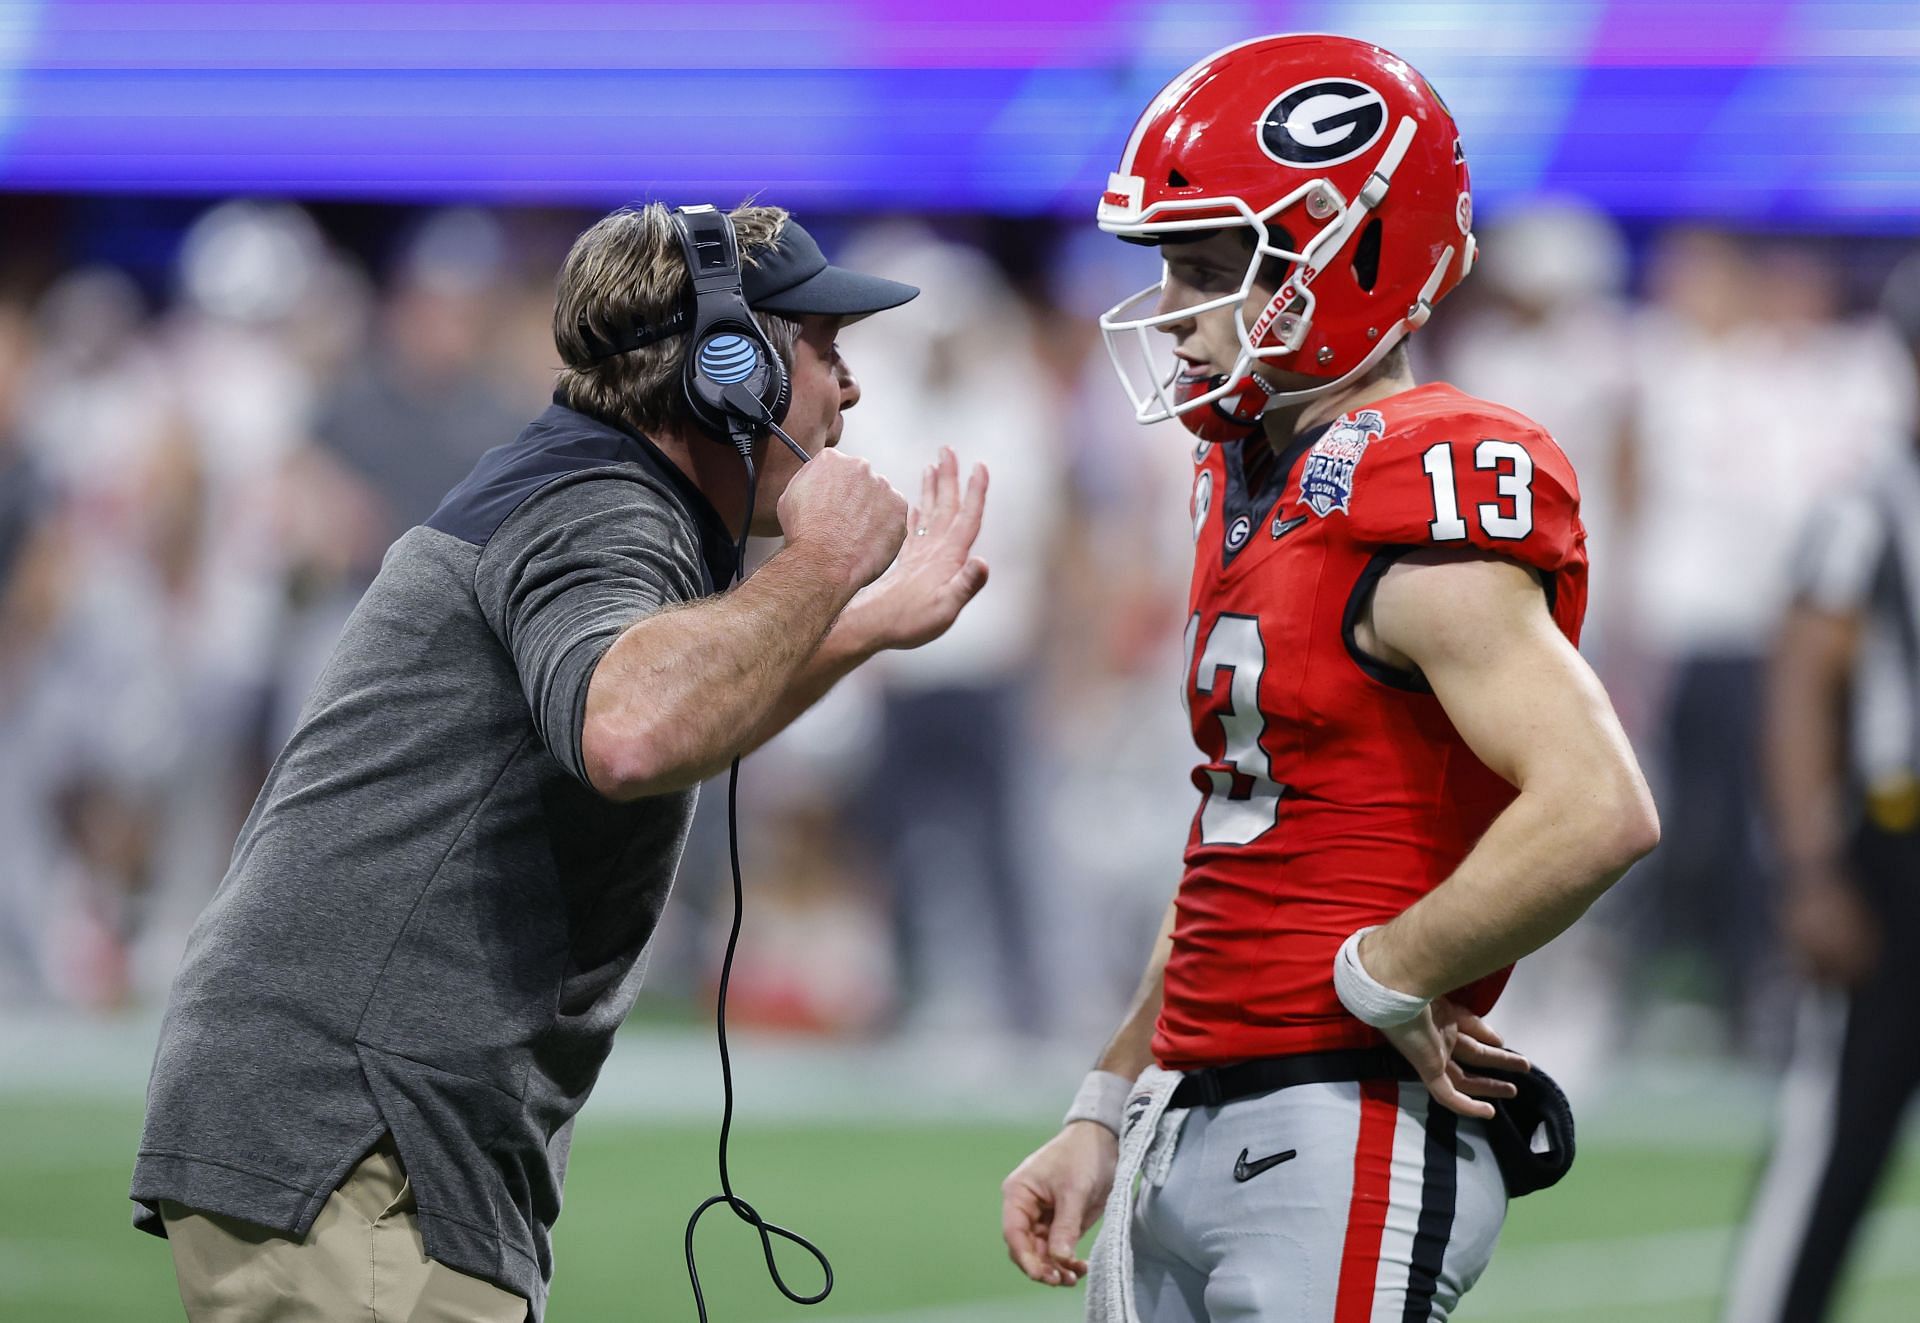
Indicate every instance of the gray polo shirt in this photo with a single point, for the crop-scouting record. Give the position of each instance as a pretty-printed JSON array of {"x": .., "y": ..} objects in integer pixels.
[{"x": 431, "y": 924}]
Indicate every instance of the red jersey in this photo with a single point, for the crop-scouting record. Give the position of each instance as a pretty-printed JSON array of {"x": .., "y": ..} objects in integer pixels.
[{"x": 1334, "y": 790}]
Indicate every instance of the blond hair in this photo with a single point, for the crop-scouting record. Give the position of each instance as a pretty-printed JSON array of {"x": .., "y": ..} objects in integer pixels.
[{"x": 628, "y": 270}]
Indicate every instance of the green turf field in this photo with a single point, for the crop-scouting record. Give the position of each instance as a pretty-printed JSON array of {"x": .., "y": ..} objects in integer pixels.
[{"x": 909, "y": 1214}]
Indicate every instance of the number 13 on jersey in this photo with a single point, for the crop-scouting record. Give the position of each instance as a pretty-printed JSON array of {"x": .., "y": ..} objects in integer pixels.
[
  {"x": 1509, "y": 519},
  {"x": 1243, "y": 802}
]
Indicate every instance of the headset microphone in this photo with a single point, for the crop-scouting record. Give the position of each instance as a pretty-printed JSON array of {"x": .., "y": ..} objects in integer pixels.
[
  {"x": 739, "y": 398},
  {"x": 792, "y": 445}
]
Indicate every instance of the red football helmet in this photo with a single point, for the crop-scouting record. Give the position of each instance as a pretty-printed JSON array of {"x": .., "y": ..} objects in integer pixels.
[{"x": 1347, "y": 167}]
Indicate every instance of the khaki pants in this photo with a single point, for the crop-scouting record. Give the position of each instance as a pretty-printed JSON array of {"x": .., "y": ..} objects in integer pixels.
[{"x": 361, "y": 1260}]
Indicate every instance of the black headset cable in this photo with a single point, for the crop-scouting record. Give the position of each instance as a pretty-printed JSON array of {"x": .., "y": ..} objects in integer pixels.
[{"x": 740, "y": 1207}]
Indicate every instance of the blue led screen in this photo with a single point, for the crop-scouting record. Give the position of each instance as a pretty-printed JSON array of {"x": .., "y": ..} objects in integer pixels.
[{"x": 1770, "y": 111}]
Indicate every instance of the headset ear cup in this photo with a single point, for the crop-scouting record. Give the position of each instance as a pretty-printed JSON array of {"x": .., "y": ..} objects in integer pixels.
[
  {"x": 727, "y": 351},
  {"x": 729, "y": 357}
]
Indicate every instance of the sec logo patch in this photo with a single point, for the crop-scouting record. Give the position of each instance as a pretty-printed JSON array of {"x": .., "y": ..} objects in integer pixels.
[{"x": 1202, "y": 502}]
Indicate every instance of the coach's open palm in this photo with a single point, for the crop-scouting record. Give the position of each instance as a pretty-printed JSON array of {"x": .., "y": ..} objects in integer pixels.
[
  {"x": 935, "y": 574},
  {"x": 1050, "y": 1200},
  {"x": 1442, "y": 1042}
]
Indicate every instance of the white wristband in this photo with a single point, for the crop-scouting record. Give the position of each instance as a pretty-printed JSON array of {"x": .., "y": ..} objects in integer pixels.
[
  {"x": 1102, "y": 1099},
  {"x": 1371, "y": 1001}
]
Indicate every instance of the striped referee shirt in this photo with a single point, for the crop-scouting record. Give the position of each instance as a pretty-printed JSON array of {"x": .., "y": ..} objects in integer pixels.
[{"x": 1861, "y": 558}]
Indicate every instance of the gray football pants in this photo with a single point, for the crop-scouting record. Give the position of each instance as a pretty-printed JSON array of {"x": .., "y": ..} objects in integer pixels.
[{"x": 1387, "y": 1212}]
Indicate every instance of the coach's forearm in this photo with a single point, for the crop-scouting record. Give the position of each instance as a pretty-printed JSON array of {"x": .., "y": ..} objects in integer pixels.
[
  {"x": 681, "y": 694},
  {"x": 847, "y": 645},
  {"x": 1130, "y": 1050},
  {"x": 1549, "y": 856}
]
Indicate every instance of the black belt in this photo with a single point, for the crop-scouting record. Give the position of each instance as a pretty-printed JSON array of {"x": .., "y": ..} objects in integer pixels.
[{"x": 1244, "y": 1079}]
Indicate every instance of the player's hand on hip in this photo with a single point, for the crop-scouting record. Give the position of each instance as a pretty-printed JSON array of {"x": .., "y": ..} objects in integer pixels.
[
  {"x": 1446, "y": 1043},
  {"x": 841, "y": 511},
  {"x": 935, "y": 574},
  {"x": 1049, "y": 1201}
]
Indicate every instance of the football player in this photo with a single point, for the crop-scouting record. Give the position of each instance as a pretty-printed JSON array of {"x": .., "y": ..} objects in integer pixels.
[{"x": 1409, "y": 778}]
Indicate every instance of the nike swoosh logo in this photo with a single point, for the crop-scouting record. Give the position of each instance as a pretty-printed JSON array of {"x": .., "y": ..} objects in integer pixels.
[
  {"x": 1246, "y": 1171},
  {"x": 1282, "y": 527}
]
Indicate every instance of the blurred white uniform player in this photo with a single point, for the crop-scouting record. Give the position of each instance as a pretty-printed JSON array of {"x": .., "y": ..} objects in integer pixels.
[
  {"x": 961, "y": 368},
  {"x": 1751, "y": 397}
]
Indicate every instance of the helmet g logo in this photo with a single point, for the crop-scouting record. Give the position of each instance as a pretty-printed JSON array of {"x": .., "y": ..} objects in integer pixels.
[{"x": 1324, "y": 122}]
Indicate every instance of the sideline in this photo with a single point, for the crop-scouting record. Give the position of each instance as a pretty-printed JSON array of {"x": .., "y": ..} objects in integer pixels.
[{"x": 662, "y": 1073}]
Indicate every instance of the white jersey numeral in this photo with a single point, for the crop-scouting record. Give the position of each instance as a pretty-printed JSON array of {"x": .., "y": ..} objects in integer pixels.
[
  {"x": 1447, "y": 525},
  {"x": 1234, "y": 646},
  {"x": 1514, "y": 484},
  {"x": 1510, "y": 522}
]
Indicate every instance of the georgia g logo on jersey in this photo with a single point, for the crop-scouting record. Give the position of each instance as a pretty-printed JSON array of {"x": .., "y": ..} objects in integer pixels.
[{"x": 1324, "y": 122}]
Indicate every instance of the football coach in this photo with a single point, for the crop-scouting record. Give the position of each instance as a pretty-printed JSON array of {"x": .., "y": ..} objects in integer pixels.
[{"x": 434, "y": 918}]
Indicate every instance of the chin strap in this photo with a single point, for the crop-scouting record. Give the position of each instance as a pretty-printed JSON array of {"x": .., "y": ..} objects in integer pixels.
[{"x": 1416, "y": 317}]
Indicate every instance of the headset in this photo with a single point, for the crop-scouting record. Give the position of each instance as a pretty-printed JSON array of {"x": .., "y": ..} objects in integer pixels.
[
  {"x": 735, "y": 385},
  {"x": 734, "y": 382}
]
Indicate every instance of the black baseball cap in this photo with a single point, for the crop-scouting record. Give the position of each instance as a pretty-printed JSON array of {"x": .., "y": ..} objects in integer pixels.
[{"x": 795, "y": 278}]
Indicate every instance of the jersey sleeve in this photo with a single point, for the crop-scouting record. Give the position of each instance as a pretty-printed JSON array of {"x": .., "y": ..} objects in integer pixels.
[
  {"x": 567, "y": 573},
  {"x": 1506, "y": 490}
]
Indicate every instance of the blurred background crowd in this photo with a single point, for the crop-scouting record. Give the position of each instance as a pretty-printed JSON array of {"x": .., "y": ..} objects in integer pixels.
[{"x": 215, "y": 418}]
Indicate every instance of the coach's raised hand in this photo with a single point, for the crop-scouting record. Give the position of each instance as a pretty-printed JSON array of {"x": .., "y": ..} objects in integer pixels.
[
  {"x": 682, "y": 693},
  {"x": 935, "y": 574},
  {"x": 837, "y": 506}
]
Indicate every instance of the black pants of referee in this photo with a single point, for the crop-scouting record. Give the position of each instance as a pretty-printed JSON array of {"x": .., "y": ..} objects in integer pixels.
[{"x": 1856, "y": 1064}]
